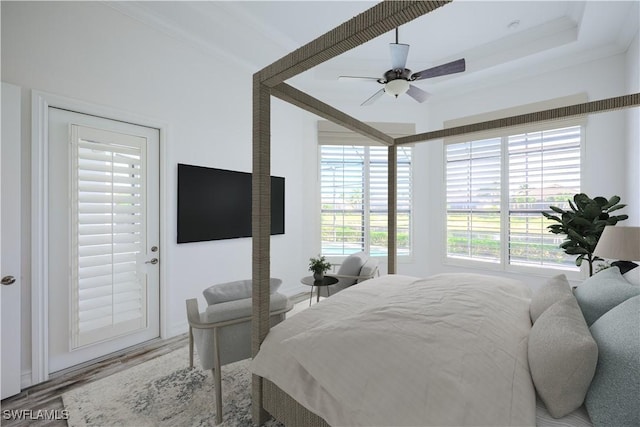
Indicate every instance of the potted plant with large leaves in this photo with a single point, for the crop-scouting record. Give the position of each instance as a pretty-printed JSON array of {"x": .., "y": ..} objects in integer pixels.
[{"x": 583, "y": 224}]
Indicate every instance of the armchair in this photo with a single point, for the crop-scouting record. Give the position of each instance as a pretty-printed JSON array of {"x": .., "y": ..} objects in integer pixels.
[
  {"x": 354, "y": 269},
  {"x": 222, "y": 333}
]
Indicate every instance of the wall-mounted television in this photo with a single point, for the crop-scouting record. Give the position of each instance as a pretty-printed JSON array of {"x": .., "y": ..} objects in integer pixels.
[{"x": 215, "y": 204}]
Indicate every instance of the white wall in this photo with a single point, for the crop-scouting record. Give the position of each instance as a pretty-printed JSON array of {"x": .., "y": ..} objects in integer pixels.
[
  {"x": 633, "y": 134},
  {"x": 90, "y": 52}
]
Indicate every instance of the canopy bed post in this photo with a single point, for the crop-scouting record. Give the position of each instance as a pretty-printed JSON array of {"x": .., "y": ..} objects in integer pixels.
[
  {"x": 392, "y": 185},
  {"x": 261, "y": 231}
]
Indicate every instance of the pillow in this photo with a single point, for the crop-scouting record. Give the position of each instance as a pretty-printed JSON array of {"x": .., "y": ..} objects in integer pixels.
[
  {"x": 624, "y": 266},
  {"x": 368, "y": 268},
  {"x": 633, "y": 276},
  {"x": 551, "y": 292},
  {"x": 232, "y": 291},
  {"x": 562, "y": 357},
  {"x": 603, "y": 291},
  {"x": 351, "y": 266},
  {"x": 614, "y": 396}
]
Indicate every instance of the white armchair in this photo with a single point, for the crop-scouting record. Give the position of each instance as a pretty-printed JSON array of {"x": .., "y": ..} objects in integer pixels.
[
  {"x": 222, "y": 333},
  {"x": 354, "y": 269}
]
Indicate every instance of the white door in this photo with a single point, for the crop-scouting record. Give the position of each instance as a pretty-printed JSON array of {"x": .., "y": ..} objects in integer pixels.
[
  {"x": 103, "y": 254},
  {"x": 10, "y": 237}
]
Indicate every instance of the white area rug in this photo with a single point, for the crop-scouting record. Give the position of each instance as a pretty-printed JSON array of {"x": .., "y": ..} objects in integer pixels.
[{"x": 163, "y": 392}]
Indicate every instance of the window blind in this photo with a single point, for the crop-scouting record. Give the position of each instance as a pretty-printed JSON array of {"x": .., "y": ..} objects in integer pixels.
[
  {"x": 496, "y": 189},
  {"x": 473, "y": 199},
  {"x": 108, "y": 216}
]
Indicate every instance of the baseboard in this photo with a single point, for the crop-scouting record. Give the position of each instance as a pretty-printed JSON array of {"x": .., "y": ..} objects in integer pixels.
[{"x": 26, "y": 379}]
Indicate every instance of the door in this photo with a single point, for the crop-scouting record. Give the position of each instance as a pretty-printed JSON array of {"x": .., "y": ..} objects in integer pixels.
[
  {"x": 103, "y": 254},
  {"x": 10, "y": 237}
]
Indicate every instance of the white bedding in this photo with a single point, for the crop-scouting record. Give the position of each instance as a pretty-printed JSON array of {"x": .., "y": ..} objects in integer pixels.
[{"x": 397, "y": 350}]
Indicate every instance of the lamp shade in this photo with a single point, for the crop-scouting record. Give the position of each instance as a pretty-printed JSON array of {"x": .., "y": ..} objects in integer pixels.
[{"x": 620, "y": 243}]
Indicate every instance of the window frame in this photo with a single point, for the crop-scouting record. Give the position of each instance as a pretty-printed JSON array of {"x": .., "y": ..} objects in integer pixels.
[
  {"x": 366, "y": 240},
  {"x": 503, "y": 264}
]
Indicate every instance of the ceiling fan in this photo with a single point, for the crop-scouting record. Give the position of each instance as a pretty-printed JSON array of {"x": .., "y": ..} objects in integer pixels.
[{"x": 397, "y": 80}]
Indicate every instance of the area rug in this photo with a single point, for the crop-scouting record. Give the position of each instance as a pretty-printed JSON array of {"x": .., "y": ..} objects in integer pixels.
[{"x": 163, "y": 392}]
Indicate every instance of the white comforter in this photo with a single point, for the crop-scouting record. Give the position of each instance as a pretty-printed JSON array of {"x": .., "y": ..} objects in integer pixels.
[{"x": 397, "y": 350}]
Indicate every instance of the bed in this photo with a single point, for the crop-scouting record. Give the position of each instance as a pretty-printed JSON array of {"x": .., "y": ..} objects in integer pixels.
[
  {"x": 397, "y": 350},
  {"x": 270, "y": 81}
]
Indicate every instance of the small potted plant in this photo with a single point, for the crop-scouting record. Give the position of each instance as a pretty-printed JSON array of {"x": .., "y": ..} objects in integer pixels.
[{"x": 319, "y": 266}]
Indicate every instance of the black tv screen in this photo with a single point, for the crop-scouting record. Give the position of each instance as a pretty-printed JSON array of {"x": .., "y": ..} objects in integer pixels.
[{"x": 215, "y": 204}]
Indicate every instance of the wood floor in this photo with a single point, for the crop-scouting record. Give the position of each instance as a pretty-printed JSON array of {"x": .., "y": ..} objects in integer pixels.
[
  {"x": 35, "y": 405},
  {"x": 41, "y": 400}
]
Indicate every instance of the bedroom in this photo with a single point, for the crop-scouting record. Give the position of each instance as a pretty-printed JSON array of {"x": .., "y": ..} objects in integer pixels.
[{"x": 153, "y": 74}]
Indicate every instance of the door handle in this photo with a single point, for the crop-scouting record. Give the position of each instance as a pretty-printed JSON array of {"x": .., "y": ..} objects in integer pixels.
[
  {"x": 8, "y": 280},
  {"x": 153, "y": 261}
]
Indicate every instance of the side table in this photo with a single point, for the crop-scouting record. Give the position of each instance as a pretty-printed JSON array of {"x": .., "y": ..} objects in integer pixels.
[{"x": 310, "y": 281}]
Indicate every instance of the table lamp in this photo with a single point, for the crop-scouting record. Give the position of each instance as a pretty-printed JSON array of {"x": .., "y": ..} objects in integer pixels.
[{"x": 619, "y": 243}]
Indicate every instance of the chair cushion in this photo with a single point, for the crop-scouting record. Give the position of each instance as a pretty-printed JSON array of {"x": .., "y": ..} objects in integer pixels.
[
  {"x": 351, "y": 266},
  {"x": 231, "y": 291},
  {"x": 562, "y": 357},
  {"x": 369, "y": 268},
  {"x": 613, "y": 396},
  {"x": 603, "y": 291},
  {"x": 555, "y": 289},
  {"x": 240, "y": 308}
]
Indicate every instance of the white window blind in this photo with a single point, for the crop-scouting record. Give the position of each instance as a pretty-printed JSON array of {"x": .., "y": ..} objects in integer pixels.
[
  {"x": 108, "y": 217},
  {"x": 473, "y": 199},
  {"x": 497, "y": 188},
  {"x": 544, "y": 170},
  {"x": 354, "y": 194}
]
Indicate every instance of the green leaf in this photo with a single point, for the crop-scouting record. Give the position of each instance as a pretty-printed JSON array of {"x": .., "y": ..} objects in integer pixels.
[
  {"x": 601, "y": 201},
  {"x": 579, "y": 260},
  {"x": 576, "y": 251},
  {"x": 557, "y": 209},
  {"x": 573, "y": 207},
  {"x": 612, "y": 201},
  {"x": 616, "y": 207},
  {"x": 592, "y": 210},
  {"x": 581, "y": 200}
]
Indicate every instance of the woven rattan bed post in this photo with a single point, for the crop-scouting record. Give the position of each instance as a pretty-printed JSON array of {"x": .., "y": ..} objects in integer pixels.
[
  {"x": 261, "y": 232},
  {"x": 392, "y": 209}
]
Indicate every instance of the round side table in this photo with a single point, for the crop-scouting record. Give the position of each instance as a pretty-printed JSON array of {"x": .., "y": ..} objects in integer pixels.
[{"x": 310, "y": 281}]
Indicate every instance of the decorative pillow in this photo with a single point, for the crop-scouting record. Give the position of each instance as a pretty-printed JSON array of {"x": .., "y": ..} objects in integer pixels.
[
  {"x": 614, "y": 396},
  {"x": 551, "y": 292},
  {"x": 633, "y": 276},
  {"x": 624, "y": 266},
  {"x": 603, "y": 291},
  {"x": 562, "y": 357},
  {"x": 232, "y": 291},
  {"x": 351, "y": 266}
]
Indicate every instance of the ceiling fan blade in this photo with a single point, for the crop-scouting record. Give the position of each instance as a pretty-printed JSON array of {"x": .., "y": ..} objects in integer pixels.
[
  {"x": 345, "y": 78},
  {"x": 399, "y": 53},
  {"x": 417, "y": 93},
  {"x": 373, "y": 98},
  {"x": 441, "y": 70}
]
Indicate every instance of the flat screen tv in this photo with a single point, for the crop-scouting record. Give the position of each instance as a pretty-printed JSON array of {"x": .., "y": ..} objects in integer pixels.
[{"x": 215, "y": 204}]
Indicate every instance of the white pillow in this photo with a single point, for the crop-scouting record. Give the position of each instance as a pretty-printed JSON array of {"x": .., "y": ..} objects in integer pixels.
[{"x": 633, "y": 276}]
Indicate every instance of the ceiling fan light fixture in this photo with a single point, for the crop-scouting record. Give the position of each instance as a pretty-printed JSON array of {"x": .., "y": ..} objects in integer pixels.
[{"x": 396, "y": 87}]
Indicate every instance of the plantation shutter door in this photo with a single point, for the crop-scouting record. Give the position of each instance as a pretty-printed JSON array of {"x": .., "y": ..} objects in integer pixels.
[
  {"x": 108, "y": 213},
  {"x": 473, "y": 186},
  {"x": 342, "y": 178},
  {"x": 544, "y": 170}
]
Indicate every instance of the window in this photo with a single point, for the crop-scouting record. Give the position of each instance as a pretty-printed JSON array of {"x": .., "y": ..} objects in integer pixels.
[
  {"x": 496, "y": 189},
  {"x": 353, "y": 187}
]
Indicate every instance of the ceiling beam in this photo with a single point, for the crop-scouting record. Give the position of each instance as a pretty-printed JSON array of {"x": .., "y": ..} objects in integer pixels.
[
  {"x": 366, "y": 26},
  {"x": 608, "y": 104},
  {"x": 300, "y": 99}
]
